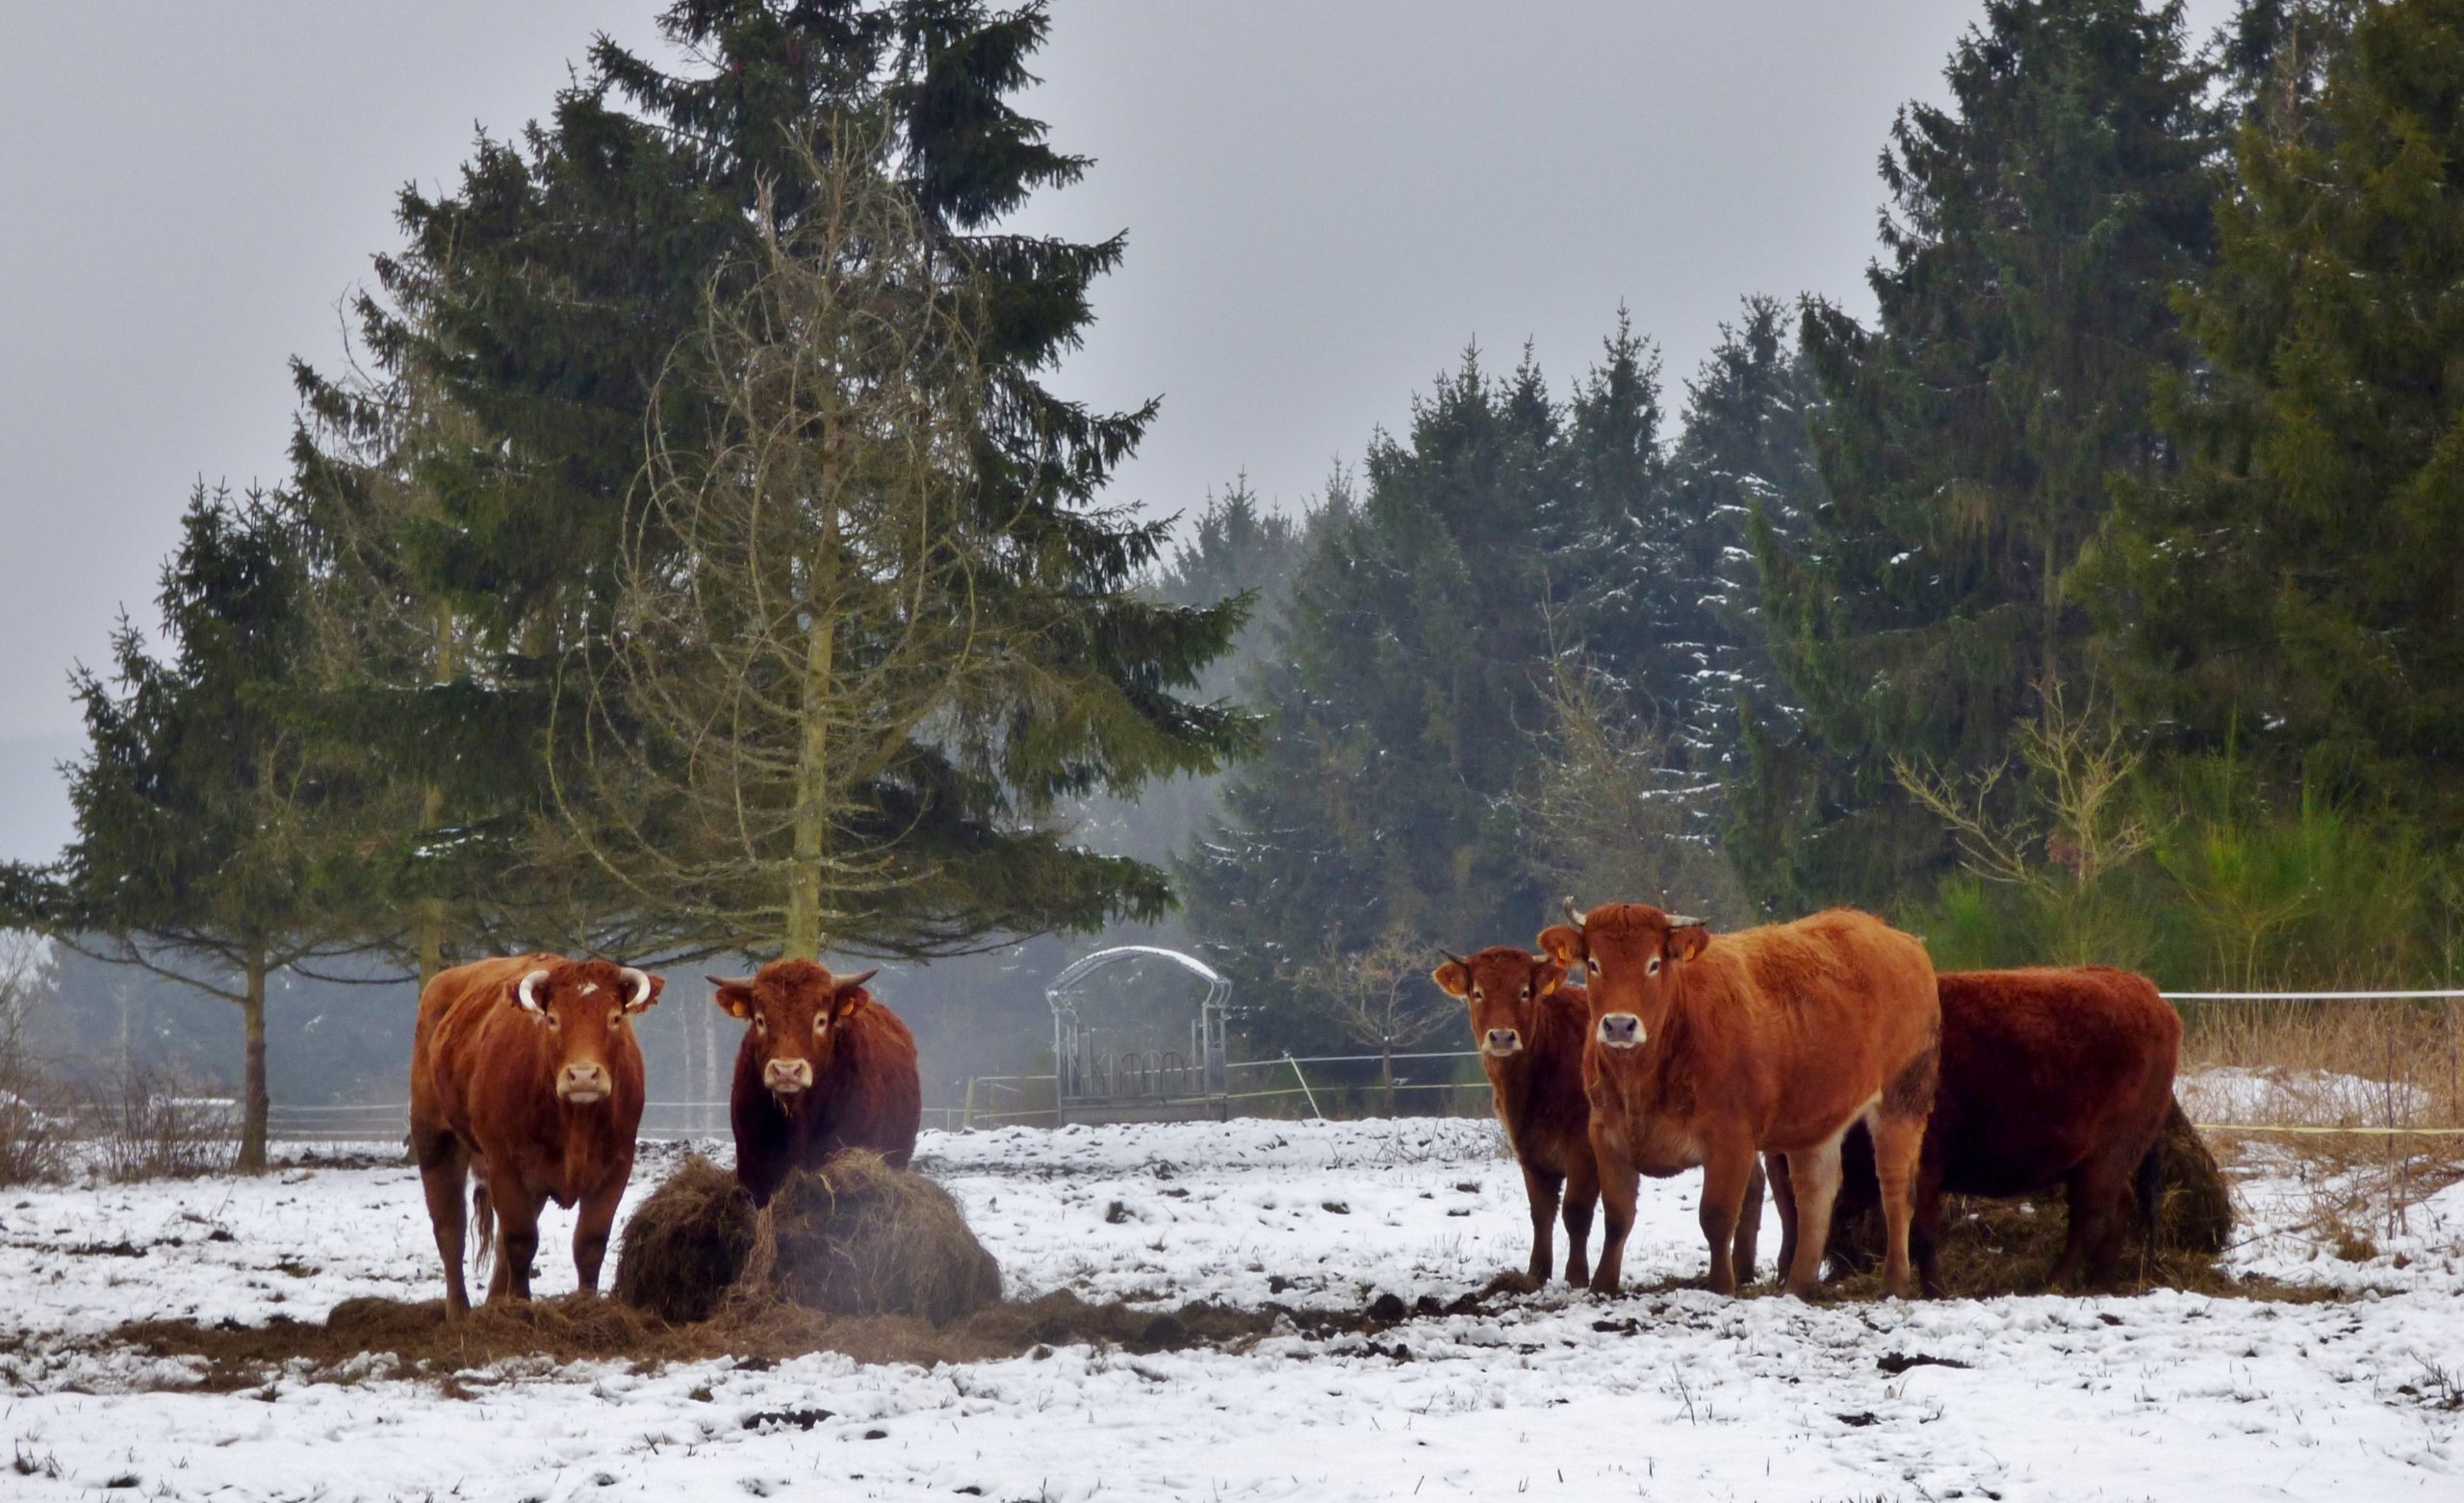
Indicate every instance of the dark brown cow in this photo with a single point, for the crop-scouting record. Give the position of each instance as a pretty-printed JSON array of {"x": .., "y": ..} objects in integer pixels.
[
  {"x": 1705, "y": 1049},
  {"x": 2050, "y": 1077},
  {"x": 527, "y": 1071},
  {"x": 1528, "y": 1026},
  {"x": 823, "y": 1068}
]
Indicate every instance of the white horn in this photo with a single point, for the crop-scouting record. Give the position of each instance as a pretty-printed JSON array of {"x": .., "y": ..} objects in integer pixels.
[
  {"x": 521, "y": 993},
  {"x": 1573, "y": 915},
  {"x": 637, "y": 989}
]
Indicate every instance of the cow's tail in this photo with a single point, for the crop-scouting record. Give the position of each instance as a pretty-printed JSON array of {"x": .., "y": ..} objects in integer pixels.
[{"x": 483, "y": 1229}]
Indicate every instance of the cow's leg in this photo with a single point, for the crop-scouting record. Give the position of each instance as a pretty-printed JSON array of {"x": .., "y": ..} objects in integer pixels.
[
  {"x": 1540, "y": 1192},
  {"x": 2091, "y": 1243},
  {"x": 1813, "y": 1177},
  {"x": 444, "y": 1168},
  {"x": 1617, "y": 1185},
  {"x": 590, "y": 1232},
  {"x": 1726, "y": 1171},
  {"x": 516, "y": 1212},
  {"x": 1898, "y": 1143},
  {"x": 1925, "y": 1231},
  {"x": 1749, "y": 1222},
  {"x": 1583, "y": 1194},
  {"x": 1784, "y": 1198}
]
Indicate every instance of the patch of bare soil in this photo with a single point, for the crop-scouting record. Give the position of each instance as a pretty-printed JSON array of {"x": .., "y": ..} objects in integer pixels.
[{"x": 416, "y": 1340}]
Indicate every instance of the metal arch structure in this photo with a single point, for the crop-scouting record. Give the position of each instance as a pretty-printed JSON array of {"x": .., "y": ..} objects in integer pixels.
[{"x": 1092, "y": 1085}]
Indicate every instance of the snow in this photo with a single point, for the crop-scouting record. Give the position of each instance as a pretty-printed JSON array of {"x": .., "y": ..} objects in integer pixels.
[
  {"x": 2235, "y": 1094},
  {"x": 1676, "y": 1394}
]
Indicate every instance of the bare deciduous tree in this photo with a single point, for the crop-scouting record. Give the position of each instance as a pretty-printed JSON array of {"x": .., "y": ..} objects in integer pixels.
[
  {"x": 802, "y": 626},
  {"x": 1381, "y": 997}
]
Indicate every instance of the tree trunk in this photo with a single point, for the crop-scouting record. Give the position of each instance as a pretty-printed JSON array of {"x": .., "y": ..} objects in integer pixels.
[
  {"x": 431, "y": 910},
  {"x": 1386, "y": 1073},
  {"x": 812, "y": 770},
  {"x": 256, "y": 1100}
]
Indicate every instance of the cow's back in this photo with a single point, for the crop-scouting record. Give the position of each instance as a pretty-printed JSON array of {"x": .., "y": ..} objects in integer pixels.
[
  {"x": 1828, "y": 1011},
  {"x": 877, "y": 1099},
  {"x": 2044, "y": 1068}
]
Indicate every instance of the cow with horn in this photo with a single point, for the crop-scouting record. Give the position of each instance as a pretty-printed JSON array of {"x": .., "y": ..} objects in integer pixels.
[
  {"x": 1708, "y": 1049},
  {"x": 524, "y": 1071},
  {"x": 823, "y": 1067}
]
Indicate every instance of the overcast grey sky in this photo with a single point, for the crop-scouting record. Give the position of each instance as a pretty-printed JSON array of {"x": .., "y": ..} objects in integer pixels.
[{"x": 1325, "y": 199}]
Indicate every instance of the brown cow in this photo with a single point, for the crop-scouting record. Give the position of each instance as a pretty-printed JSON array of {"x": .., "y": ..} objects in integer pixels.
[
  {"x": 526, "y": 1070},
  {"x": 823, "y": 1067},
  {"x": 2049, "y": 1077},
  {"x": 1706, "y": 1050},
  {"x": 1530, "y": 1023},
  {"x": 1528, "y": 1026}
]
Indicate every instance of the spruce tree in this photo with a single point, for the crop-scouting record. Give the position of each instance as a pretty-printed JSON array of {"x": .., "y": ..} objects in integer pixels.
[
  {"x": 212, "y": 847},
  {"x": 1402, "y": 696},
  {"x": 551, "y": 297},
  {"x": 2291, "y": 595},
  {"x": 1969, "y": 442}
]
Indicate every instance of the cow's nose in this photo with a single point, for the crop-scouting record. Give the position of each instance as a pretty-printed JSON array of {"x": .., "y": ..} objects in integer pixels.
[
  {"x": 787, "y": 1075},
  {"x": 1621, "y": 1030},
  {"x": 583, "y": 1083},
  {"x": 1504, "y": 1041}
]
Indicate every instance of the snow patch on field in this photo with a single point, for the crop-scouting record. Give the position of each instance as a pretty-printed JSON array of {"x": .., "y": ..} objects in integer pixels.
[{"x": 1679, "y": 1395}]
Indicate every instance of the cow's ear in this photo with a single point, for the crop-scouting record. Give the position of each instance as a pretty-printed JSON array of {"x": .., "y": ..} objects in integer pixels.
[
  {"x": 1545, "y": 978},
  {"x": 1685, "y": 944},
  {"x": 1563, "y": 944},
  {"x": 1452, "y": 979},
  {"x": 732, "y": 998}
]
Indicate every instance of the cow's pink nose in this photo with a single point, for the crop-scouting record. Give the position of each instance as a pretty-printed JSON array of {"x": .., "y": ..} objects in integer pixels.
[
  {"x": 1504, "y": 1042},
  {"x": 588, "y": 1081},
  {"x": 788, "y": 1075}
]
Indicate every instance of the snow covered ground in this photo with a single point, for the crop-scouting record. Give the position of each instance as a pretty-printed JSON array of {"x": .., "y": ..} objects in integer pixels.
[{"x": 1675, "y": 1395}]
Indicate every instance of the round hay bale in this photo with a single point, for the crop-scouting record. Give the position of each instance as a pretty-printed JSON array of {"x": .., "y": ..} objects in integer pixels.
[
  {"x": 687, "y": 1243},
  {"x": 858, "y": 1237},
  {"x": 2193, "y": 1206}
]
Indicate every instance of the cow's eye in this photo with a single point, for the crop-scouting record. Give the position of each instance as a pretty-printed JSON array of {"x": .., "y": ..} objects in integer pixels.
[
  {"x": 1650, "y": 967},
  {"x": 554, "y": 1021},
  {"x": 1478, "y": 995},
  {"x": 616, "y": 1017},
  {"x": 821, "y": 1025},
  {"x": 1526, "y": 994},
  {"x": 762, "y": 1023}
]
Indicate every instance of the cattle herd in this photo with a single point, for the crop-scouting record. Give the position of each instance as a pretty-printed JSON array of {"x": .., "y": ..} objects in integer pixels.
[
  {"x": 1824, "y": 1059},
  {"x": 1830, "y": 1054}
]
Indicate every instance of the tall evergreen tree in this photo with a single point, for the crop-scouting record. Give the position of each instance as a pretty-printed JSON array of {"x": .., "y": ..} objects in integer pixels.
[
  {"x": 212, "y": 847},
  {"x": 2040, "y": 226},
  {"x": 2294, "y": 593},
  {"x": 1743, "y": 474},
  {"x": 1403, "y": 698},
  {"x": 551, "y": 301}
]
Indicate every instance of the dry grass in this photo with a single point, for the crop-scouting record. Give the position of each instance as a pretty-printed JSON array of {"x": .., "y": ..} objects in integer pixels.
[{"x": 2326, "y": 1065}]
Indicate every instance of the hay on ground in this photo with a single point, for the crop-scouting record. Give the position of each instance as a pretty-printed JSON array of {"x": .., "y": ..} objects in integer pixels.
[
  {"x": 2193, "y": 1208},
  {"x": 687, "y": 1243},
  {"x": 856, "y": 1237}
]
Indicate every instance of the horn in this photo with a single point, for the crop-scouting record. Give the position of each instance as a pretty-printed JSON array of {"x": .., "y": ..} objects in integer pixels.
[
  {"x": 637, "y": 986},
  {"x": 1457, "y": 959},
  {"x": 1687, "y": 921},
  {"x": 1573, "y": 915},
  {"x": 521, "y": 993},
  {"x": 721, "y": 981},
  {"x": 857, "y": 980}
]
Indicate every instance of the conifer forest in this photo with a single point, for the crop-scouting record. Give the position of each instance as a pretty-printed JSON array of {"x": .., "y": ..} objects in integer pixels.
[{"x": 694, "y": 562}]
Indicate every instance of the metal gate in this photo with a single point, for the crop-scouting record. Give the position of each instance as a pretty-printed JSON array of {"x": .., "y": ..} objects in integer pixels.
[{"x": 1094, "y": 1084}]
